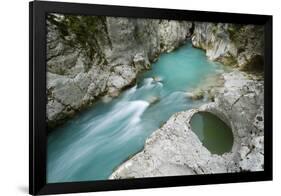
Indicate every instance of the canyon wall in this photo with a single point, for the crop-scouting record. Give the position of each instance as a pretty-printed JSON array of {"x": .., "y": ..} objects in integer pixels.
[
  {"x": 174, "y": 149},
  {"x": 91, "y": 58},
  {"x": 231, "y": 44},
  {"x": 95, "y": 57}
]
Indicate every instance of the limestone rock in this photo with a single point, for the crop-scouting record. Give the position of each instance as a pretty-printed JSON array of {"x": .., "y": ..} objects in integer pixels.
[
  {"x": 231, "y": 44},
  {"x": 124, "y": 47},
  {"x": 174, "y": 149}
]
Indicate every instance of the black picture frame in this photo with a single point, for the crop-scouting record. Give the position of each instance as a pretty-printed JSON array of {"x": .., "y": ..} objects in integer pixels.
[{"x": 37, "y": 97}]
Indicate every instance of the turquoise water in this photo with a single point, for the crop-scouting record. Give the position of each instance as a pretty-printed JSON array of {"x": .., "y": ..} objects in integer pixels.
[
  {"x": 92, "y": 144},
  {"x": 215, "y": 135}
]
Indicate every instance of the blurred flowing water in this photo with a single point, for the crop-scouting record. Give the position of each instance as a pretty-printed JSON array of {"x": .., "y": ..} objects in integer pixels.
[{"x": 92, "y": 144}]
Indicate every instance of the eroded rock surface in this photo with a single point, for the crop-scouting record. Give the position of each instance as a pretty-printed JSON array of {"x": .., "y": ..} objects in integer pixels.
[
  {"x": 231, "y": 44},
  {"x": 174, "y": 149},
  {"x": 120, "y": 49}
]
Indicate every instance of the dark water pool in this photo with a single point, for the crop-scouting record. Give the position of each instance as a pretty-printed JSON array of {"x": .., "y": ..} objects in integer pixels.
[{"x": 215, "y": 134}]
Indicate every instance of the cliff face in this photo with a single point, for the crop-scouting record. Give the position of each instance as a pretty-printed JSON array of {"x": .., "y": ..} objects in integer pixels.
[
  {"x": 106, "y": 59},
  {"x": 231, "y": 44}
]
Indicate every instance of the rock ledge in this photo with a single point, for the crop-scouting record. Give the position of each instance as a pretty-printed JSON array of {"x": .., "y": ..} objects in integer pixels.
[{"x": 174, "y": 149}]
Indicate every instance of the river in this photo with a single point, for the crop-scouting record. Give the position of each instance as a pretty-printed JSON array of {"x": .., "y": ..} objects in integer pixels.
[{"x": 92, "y": 144}]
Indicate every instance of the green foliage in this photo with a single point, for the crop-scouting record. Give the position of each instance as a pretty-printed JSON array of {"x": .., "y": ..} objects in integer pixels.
[
  {"x": 234, "y": 30},
  {"x": 214, "y": 29},
  {"x": 81, "y": 32}
]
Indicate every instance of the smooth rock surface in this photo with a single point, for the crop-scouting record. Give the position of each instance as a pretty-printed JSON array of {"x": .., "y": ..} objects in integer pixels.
[{"x": 174, "y": 149}]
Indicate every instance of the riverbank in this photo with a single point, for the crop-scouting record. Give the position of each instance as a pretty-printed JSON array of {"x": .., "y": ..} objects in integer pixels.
[
  {"x": 83, "y": 67},
  {"x": 113, "y": 130},
  {"x": 175, "y": 149}
]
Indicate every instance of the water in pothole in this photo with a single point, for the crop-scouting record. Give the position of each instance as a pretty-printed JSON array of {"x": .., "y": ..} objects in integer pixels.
[{"x": 215, "y": 134}]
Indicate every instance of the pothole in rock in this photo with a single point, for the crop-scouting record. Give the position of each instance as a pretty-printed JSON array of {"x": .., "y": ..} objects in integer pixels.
[{"x": 214, "y": 133}]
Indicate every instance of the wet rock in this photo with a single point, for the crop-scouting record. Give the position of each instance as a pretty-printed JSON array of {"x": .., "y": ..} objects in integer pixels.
[
  {"x": 196, "y": 95},
  {"x": 140, "y": 62},
  {"x": 106, "y": 98},
  {"x": 157, "y": 79},
  {"x": 207, "y": 88},
  {"x": 153, "y": 99}
]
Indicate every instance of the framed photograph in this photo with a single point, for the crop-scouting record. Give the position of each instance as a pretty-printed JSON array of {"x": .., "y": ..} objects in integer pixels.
[{"x": 130, "y": 97}]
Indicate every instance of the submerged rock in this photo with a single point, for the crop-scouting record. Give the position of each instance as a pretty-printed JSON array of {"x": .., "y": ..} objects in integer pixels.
[
  {"x": 157, "y": 79},
  {"x": 153, "y": 99},
  {"x": 106, "y": 99},
  {"x": 195, "y": 95},
  {"x": 207, "y": 88},
  {"x": 174, "y": 149}
]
